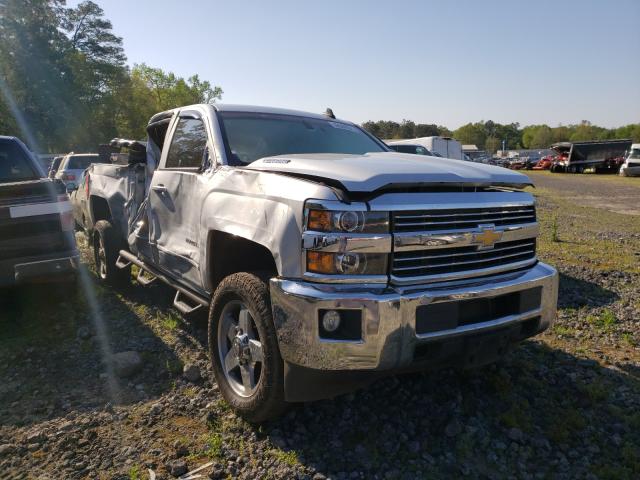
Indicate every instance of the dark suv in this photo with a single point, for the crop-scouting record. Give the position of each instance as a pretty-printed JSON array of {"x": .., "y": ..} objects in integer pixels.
[{"x": 36, "y": 222}]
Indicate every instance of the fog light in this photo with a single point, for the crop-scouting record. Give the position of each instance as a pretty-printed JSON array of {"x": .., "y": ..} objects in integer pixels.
[
  {"x": 349, "y": 263},
  {"x": 331, "y": 321}
]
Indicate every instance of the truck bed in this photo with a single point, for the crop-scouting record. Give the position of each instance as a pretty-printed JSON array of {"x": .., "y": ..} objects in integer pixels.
[{"x": 122, "y": 187}]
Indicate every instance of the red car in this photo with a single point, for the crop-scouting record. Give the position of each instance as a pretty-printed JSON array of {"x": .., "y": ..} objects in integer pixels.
[{"x": 544, "y": 163}]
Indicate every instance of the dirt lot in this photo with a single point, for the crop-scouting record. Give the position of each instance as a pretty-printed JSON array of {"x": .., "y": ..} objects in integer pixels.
[{"x": 565, "y": 405}]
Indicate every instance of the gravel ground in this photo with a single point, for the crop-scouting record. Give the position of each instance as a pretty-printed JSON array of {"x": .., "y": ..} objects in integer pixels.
[
  {"x": 564, "y": 405},
  {"x": 609, "y": 192}
]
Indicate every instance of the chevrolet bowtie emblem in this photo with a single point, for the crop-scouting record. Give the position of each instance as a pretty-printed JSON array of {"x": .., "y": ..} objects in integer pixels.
[{"x": 487, "y": 237}]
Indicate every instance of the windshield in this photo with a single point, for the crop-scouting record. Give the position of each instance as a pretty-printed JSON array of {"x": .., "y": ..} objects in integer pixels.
[
  {"x": 81, "y": 162},
  {"x": 251, "y": 136},
  {"x": 635, "y": 153},
  {"x": 15, "y": 165}
]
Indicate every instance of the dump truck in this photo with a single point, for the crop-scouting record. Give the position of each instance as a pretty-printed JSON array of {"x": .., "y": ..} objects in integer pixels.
[{"x": 601, "y": 156}]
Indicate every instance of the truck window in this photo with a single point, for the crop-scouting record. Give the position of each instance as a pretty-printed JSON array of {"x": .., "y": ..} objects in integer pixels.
[
  {"x": 251, "y": 136},
  {"x": 81, "y": 162},
  {"x": 15, "y": 165},
  {"x": 188, "y": 144},
  {"x": 404, "y": 148}
]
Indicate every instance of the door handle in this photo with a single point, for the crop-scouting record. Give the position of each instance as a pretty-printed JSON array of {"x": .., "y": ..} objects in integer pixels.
[{"x": 161, "y": 189}]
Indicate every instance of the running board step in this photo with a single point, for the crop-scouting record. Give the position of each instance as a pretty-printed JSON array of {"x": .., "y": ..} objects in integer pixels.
[
  {"x": 144, "y": 280},
  {"x": 155, "y": 274},
  {"x": 121, "y": 263},
  {"x": 181, "y": 304}
]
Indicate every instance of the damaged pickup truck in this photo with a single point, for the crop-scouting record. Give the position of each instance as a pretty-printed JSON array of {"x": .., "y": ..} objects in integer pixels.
[{"x": 324, "y": 258}]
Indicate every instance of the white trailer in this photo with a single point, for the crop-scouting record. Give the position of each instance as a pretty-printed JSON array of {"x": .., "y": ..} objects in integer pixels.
[{"x": 443, "y": 146}]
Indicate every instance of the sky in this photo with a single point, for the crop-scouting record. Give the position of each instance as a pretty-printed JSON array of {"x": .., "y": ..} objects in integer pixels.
[{"x": 444, "y": 62}]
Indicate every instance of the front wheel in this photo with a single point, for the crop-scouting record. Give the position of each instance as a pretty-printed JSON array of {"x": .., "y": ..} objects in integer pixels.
[{"x": 244, "y": 348}]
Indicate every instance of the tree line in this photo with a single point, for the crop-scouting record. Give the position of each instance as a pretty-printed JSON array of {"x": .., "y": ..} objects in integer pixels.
[
  {"x": 64, "y": 83},
  {"x": 489, "y": 135}
]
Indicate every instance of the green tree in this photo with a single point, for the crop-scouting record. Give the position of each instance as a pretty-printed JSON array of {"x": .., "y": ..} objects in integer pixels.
[
  {"x": 444, "y": 131},
  {"x": 492, "y": 144},
  {"x": 542, "y": 138},
  {"x": 90, "y": 34},
  {"x": 36, "y": 76},
  {"x": 407, "y": 129},
  {"x": 511, "y": 134},
  {"x": 427, "y": 130},
  {"x": 528, "y": 133},
  {"x": 385, "y": 129},
  {"x": 561, "y": 133},
  {"x": 586, "y": 131},
  {"x": 96, "y": 58},
  {"x": 151, "y": 90},
  {"x": 471, "y": 134},
  {"x": 631, "y": 131}
]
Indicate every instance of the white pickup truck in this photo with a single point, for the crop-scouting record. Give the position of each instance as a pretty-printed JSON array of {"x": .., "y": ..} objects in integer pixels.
[{"x": 324, "y": 258}]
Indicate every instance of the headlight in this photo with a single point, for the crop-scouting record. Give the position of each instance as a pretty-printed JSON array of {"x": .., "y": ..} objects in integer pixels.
[
  {"x": 347, "y": 221},
  {"x": 347, "y": 263}
]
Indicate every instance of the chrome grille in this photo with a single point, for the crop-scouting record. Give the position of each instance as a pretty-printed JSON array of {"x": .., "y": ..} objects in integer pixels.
[
  {"x": 468, "y": 218},
  {"x": 447, "y": 262}
]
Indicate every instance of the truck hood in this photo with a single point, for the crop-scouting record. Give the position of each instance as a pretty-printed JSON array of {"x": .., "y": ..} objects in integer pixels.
[{"x": 373, "y": 171}]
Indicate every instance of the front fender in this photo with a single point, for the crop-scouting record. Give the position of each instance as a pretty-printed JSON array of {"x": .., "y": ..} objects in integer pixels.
[{"x": 265, "y": 208}]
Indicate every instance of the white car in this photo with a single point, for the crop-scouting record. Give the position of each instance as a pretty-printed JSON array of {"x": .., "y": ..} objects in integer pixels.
[
  {"x": 631, "y": 165},
  {"x": 72, "y": 168}
]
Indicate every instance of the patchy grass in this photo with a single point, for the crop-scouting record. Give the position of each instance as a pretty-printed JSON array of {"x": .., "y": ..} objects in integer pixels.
[
  {"x": 574, "y": 234},
  {"x": 134, "y": 473},
  {"x": 555, "y": 237},
  {"x": 565, "y": 424},
  {"x": 606, "y": 321},
  {"x": 174, "y": 366},
  {"x": 214, "y": 446},
  {"x": 628, "y": 339},
  {"x": 289, "y": 457},
  {"x": 562, "y": 330},
  {"x": 169, "y": 320},
  {"x": 190, "y": 392},
  {"x": 517, "y": 416}
]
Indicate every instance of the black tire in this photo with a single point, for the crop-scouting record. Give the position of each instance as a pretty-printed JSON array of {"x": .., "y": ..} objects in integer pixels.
[
  {"x": 251, "y": 291},
  {"x": 106, "y": 248}
]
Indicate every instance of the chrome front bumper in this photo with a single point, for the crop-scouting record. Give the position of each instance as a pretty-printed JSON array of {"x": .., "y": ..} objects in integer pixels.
[{"x": 389, "y": 337}]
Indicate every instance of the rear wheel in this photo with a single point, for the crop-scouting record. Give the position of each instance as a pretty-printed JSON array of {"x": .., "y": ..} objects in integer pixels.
[
  {"x": 244, "y": 349},
  {"x": 106, "y": 248}
]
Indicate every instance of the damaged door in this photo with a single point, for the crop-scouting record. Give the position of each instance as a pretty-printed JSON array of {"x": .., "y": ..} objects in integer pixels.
[{"x": 175, "y": 201}]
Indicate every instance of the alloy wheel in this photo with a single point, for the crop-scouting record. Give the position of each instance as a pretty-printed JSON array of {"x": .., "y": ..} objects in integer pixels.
[{"x": 240, "y": 348}]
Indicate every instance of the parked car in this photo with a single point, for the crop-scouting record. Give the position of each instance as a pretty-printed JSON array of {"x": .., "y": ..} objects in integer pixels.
[
  {"x": 72, "y": 168},
  {"x": 631, "y": 165},
  {"x": 544, "y": 163},
  {"x": 36, "y": 225},
  {"x": 55, "y": 165},
  {"x": 409, "y": 148},
  {"x": 438, "y": 146},
  {"x": 45, "y": 160},
  {"x": 521, "y": 163},
  {"x": 325, "y": 258}
]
